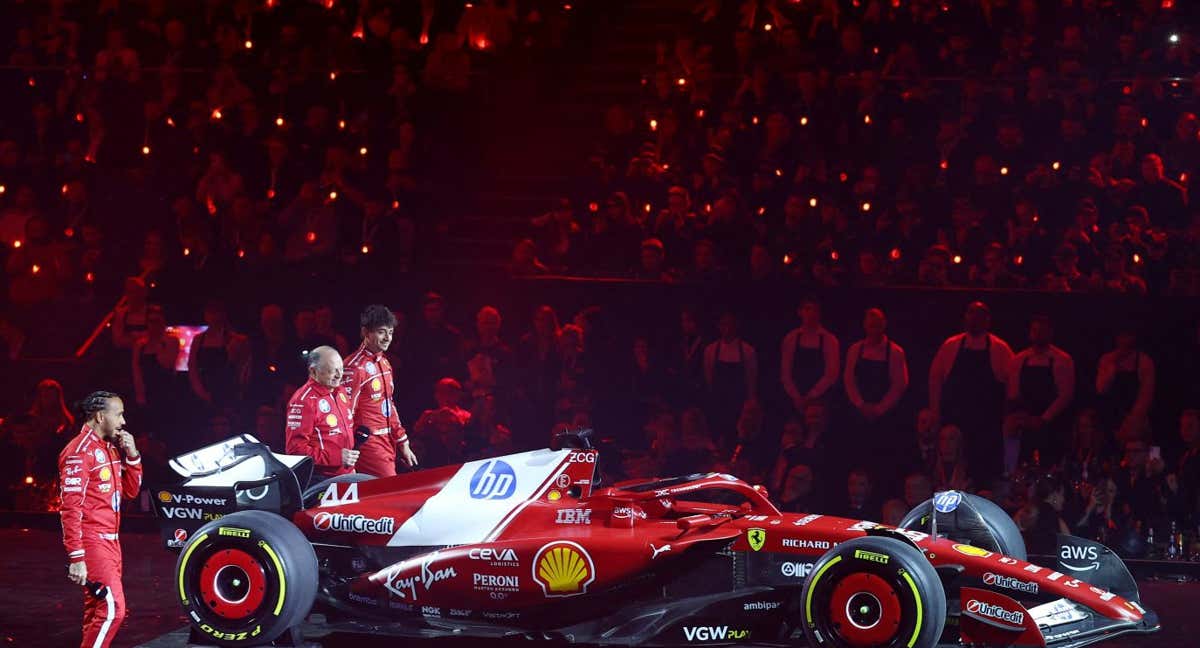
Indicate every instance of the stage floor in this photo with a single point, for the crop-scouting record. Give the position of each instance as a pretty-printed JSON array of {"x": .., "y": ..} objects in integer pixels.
[{"x": 39, "y": 607}]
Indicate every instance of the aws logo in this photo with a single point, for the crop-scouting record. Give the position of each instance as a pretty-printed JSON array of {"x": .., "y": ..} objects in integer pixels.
[
  {"x": 563, "y": 569},
  {"x": 1079, "y": 558}
]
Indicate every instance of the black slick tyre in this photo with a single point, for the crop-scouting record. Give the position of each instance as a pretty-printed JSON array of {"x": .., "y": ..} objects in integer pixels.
[
  {"x": 245, "y": 579},
  {"x": 873, "y": 592}
]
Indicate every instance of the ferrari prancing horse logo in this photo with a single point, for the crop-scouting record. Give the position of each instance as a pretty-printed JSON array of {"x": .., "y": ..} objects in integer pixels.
[{"x": 757, "y": 538}]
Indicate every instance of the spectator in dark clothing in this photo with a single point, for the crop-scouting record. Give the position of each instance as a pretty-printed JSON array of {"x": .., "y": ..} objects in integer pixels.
[
  {"x": 490, "y": 362},
  {"x": 917, "y": 490},
  {"x": 1125, "y": 379},
  {"x": 1187, "y": 472},
  {"x": 437, "y": 345},
  {"x": 810, "y": 358},
  {"x": 1099, "y": 519},
  {"x": 271, "y": 356},
  {"x": 1041, "y": 519},
  {"x": 858, "y": 502},
  {"x": 731, "y": 374},
  {"x": 1164, "y": 198},
  {"x": 440, "y": 433},
  {"x": 688, "y": 362},
  {"x": 966, "y": 388},
  {"x": 652, "y": 264},
  {"x": 798, "y": 494},
  {"x": 1141, "y": 486}
]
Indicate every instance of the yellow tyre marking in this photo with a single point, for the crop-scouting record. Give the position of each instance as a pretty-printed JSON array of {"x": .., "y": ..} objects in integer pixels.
[
  {"x": 813, "y": 586},
  {"x": 183, "y": 565},
  {"x": 920, "y": 611},
  {"x": 283, "y": 578}
]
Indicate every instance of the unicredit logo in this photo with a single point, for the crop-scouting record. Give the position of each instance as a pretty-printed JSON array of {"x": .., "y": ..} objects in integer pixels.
[
  {"x": 995, "y": 612},
  {"x": 1000, "y": 580},
  {"x": 355, "y": 523}
]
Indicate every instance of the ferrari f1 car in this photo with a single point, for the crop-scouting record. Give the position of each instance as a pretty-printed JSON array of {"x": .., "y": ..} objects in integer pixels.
[{"x": 535, "y": 545}]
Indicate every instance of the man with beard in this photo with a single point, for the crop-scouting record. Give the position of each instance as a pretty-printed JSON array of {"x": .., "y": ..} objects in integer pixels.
[{"x": 98, "y": 468}]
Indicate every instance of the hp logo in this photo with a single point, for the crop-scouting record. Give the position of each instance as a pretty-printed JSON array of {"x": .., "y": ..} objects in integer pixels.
[
  {"x": 494, "y": 480},
  {"x": 947, "y": 502}
]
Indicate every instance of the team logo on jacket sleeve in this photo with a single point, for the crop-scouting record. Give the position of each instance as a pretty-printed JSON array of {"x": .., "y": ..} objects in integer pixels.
[
  {"x": 371, "y": 368},
  {"x": 563, "y": 569},
  {"x": 324, "y": 406},
  {"x": 101, "y": 455}
]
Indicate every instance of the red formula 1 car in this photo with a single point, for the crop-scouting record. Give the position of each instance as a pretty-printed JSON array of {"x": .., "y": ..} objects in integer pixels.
[{"x": 535, "y": 545}]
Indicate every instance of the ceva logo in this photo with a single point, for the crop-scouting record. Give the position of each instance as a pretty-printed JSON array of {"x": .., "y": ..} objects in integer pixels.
[
  {"x": 495, "y": 480},
  {"x": 713, "y": 633}
]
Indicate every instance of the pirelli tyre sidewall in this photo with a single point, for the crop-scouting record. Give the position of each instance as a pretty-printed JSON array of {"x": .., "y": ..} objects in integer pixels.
[
  {"x": 246, "y": 578},
  {"x": 873, "y": 591}
]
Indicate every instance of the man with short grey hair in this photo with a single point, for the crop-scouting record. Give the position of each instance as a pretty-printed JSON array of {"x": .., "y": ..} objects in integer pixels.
[{"x": 320, "y": 417}]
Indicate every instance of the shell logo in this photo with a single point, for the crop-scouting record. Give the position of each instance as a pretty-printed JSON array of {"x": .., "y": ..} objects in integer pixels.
[
  {"x": 331, "y": 420},
  {"x": 165, "y": 497},
  {"x": 968, "y": 550},
  {"x": 563, "y": 569},
  {"x": 105, "y": 473}
]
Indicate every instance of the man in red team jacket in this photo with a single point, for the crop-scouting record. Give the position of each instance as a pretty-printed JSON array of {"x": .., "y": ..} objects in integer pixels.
[
  {"x": 369, "y": 385},
  {"x": 320, "y": 417},
  {"x": 96, "y": 469}
]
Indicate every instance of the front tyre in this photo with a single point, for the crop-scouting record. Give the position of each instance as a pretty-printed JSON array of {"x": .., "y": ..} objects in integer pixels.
[
  {"x": 873, "y": 591},
  {"x": 246, "y": 578}
]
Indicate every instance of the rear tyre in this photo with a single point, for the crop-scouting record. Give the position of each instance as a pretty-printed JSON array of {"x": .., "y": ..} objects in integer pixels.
[
  {"x": 873, "y": 591},
  {"x": 246, "y": 578}
]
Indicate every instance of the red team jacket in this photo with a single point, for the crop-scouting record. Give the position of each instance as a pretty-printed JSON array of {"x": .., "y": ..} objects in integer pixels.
[
  {"x": 320, "y": 423},
  {"x": 368, "y": 384},
  {"x": 93, "y": 478}
]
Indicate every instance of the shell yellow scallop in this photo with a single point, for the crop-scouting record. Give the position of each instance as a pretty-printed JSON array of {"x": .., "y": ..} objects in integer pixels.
[{"x": 563, "y": 569}]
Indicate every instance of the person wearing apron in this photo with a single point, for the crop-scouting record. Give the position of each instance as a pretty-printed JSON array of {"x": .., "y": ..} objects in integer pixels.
[
  {"x": 875, "y": 379},
  {"x": 731, "y": 371},
  {"x": 1124, "y": 384},
  {"x": 966, "y": 390},
  {"x": 1041, "y": 385},
  {"x": 810, "y": 358}
]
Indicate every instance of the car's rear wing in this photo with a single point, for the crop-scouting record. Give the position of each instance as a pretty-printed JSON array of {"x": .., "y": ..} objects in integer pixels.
[{"x": 237, "y": 474}]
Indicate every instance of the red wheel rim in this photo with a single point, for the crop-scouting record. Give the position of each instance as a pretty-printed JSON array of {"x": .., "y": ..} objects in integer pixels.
[
  {"x": 232, "y": 584},
  {"x": 865, "y": 610}
]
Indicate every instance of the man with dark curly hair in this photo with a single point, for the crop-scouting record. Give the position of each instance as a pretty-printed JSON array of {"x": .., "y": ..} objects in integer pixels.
[{"x": 369, "y": 385}]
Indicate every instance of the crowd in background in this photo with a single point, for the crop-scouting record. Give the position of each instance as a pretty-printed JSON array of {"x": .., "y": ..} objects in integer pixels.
[
  {"x": 156, "y": 149},
  {"x": 827, "y": 419},
  {"x": 1023, "y": 144}
]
